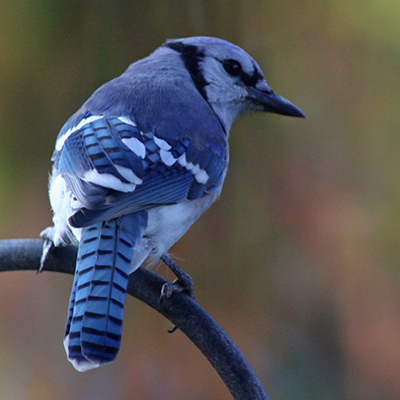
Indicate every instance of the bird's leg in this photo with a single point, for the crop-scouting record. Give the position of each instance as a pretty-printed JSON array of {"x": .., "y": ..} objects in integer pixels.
[{"x": 183, "y": 283}]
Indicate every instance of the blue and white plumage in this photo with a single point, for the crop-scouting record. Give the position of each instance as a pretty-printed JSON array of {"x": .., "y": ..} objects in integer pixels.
[{"x": 136, "y": 165}]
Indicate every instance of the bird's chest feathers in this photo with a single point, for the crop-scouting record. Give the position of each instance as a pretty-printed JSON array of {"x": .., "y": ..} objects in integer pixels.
[{"x": 167, "y": 224}]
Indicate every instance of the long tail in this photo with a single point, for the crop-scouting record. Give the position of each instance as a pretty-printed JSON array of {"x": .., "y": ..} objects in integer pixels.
[{"x": 94, "y": 326}]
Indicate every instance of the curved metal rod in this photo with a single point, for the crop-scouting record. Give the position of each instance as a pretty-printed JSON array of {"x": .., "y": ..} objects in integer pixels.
[{"x": 180, "y": 309}]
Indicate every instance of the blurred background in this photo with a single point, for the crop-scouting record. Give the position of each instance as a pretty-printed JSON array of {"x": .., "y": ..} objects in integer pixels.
[{"x": 298, "y": 261}]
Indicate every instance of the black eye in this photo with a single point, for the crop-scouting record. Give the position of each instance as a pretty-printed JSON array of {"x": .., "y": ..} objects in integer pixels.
[{"x": 232, "y": 67}]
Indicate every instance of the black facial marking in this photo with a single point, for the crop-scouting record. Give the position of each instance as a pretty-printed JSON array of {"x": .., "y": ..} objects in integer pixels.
[
  {"x": 256, "y": 76},
  {"x": 191, "y": 56},
  {"x": 233, "y": 67}
]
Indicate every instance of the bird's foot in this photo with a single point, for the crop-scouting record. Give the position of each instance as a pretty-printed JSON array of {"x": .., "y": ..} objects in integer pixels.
[
  {"x": 183, "y": 283},
  {"x": 168, "y": 289},
  {"x": 48, "y": 244}
]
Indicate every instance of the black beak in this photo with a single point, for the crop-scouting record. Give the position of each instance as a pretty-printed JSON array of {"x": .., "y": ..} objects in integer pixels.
[{"x": 268, "y": 100}]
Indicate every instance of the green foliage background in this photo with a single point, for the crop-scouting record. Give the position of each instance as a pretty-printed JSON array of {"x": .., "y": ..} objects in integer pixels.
[{"x": 298, "y": 261}]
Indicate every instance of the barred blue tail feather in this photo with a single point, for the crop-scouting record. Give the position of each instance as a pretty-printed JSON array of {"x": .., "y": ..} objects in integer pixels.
[
  {"x": 71, "y": 306},
  {"x": 94, "y": 326}
]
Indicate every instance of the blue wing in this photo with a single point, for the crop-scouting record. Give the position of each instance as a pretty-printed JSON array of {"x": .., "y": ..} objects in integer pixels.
[{"x": 114, "y": 169}]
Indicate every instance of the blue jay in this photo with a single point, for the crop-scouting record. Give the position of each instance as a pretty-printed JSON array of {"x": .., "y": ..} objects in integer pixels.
[{"x": 136, "y": 165}]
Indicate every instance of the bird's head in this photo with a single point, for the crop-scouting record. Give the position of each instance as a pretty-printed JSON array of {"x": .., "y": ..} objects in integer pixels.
[{"x": 229, "y": 79}]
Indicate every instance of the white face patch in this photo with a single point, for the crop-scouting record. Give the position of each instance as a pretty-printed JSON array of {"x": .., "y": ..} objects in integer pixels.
[
  {"x": 60, "y": 142},
  {"x": 224, "y": 93}
]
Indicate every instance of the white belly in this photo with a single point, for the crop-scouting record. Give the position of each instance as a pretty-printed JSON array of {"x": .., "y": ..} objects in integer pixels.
[{"x": 166, "y": 225}]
